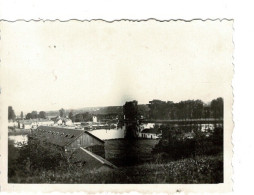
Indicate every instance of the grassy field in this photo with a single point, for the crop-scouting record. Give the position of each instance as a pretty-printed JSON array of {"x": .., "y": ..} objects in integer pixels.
[{"x": 206, "y": 169}]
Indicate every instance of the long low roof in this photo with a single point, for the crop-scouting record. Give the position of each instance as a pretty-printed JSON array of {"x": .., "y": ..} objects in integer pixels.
[{"x": 60, "y": 136}]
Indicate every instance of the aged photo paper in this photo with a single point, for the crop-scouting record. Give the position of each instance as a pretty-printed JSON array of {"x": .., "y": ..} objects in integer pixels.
[{"x": 120, "y": 106}]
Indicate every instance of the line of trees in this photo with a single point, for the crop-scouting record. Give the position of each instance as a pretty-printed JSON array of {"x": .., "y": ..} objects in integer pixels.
[
  {"x": 190, "y": 109},
  {"x": 156, "y": 109},
  {"x": 82, "y": 117},
  {"x": 35, "y": 115},
  {"x": 63, "y": 113},
  {"x": 11, "y": 113}
]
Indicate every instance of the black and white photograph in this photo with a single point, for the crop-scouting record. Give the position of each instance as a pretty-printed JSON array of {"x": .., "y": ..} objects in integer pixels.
[{"x": 125, "y": 102}]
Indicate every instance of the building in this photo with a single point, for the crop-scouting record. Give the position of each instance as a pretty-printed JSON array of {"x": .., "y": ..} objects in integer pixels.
[
  {"x": 151, "y": 133},
  {"x": 62, "y": 121},
  {"x": 44, "y": 122},
  {"x": 59, "y": 121},
  {"x": 83, "y": 147},
  {"x": 26, "y": 124},
  {"x": 68, "y": 122},
  {"x": 94, "y": 119},
  {"x": 69, "y": 139},
  {"x": 105, "y": 118},
  {"x": 34, "y": 123},
  {"x": 12, "y": 123},
  {"x": 147, "y": 126}
]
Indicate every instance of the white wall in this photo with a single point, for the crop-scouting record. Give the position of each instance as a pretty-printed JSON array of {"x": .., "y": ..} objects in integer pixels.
[{"x": 105, "y": 134}]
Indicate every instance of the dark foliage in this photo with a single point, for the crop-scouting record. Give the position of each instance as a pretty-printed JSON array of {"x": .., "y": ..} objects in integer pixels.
[
  {"x": 189, "y": 171},
  {"x": 190, "y": 109},
  {"x": 62, "y": 112},
  {"x": 35, "y": 115},
  {"x": 28, "y": 115},
  {"x": 83, "y": 117},
  {"x": 71, "y": 116},
  {"x": 11, "y": 113},
  {"x": 13, "y": 156},
  {"x": 24, "y": 166},
  {"x": 131, "y": 131},
  {"x": 130, "y": 110},
  {"x": 177, "y": 146},
  {"x": 42, "y": 114},
  {"x": 217, "y": 108},
  {"x": 34, "y": 156}
]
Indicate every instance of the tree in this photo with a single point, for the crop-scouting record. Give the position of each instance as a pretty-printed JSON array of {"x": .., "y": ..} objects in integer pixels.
[
  {"x": 206, "y": 111},
  {"x": 130, "y": 110},
  {"x": 78, "y": 118},
  {"x": 62, "y": 112},
  {"x": 42, "y": 114},
  {"x": 131, "y": 113},
  {"x": 158, "y": 109},
  {"x": 71, "y": 116},
  {"x": 197, "y": 109},
  {"x": 217, "y": 108},
  {"x": 22, "y": 115},
  {"x": 11, "y": 113},
  {"x": 34, "y": 114},
  {"x": 87, "y": 116},
  {"x": 28, "y": 116}
]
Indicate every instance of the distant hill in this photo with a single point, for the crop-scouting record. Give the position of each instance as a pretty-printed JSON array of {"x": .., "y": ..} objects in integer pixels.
[{"x": 100, "y": 110}]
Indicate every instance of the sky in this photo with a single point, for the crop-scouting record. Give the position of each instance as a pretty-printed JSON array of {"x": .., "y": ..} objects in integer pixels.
[{"x": 52, "y": 65}]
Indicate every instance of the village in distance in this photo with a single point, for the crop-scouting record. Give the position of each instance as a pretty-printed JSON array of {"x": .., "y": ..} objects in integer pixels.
[{"x": 158, "y": 142}]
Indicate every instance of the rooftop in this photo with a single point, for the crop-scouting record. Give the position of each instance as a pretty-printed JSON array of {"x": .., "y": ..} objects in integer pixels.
[{"x": 60, "y": 136}]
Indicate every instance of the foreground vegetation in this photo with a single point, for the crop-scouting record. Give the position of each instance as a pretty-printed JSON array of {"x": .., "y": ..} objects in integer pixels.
[
  {"x": 39, "y": 163},
  {"x": 202, "y": 169}
]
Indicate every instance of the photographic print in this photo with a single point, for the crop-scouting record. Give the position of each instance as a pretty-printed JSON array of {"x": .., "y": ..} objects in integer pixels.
[{"x": 123, "y": 102}]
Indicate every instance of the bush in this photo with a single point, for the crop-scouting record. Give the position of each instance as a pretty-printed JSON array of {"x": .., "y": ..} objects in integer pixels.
[
  {"x": 199, "y": 170},
  {"x": 176, "y": 146},
  {"x": 39, "y": 154},
  {"x": 31, "y": 158},
  {"x": 13, "y": 155}
]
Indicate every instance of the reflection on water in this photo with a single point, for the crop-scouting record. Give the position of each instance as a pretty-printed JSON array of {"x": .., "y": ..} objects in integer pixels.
[{"x": 18, "y": 139}]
